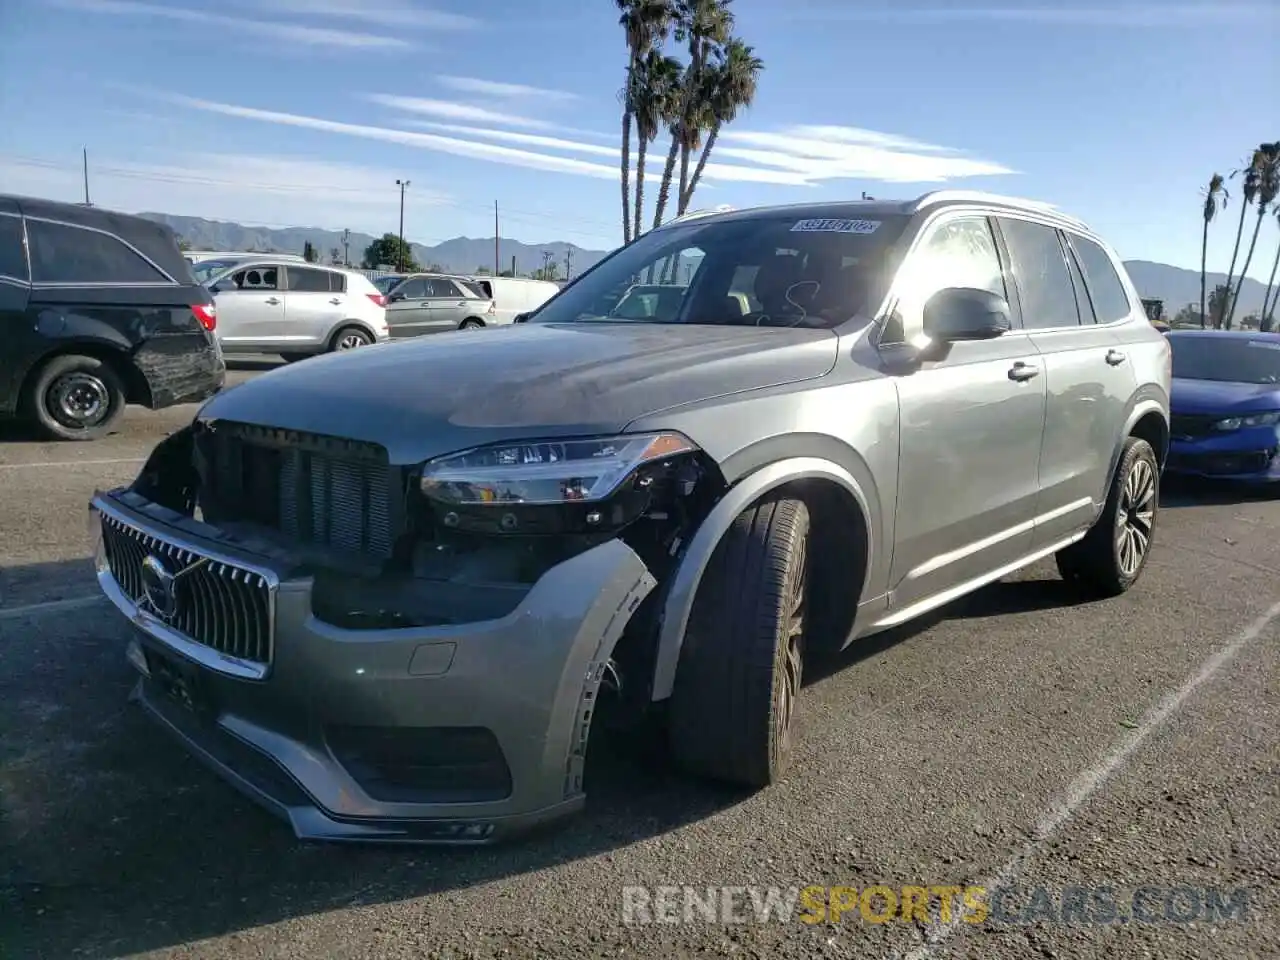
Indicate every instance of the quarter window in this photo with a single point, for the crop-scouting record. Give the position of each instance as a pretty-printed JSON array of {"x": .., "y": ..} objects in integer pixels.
[
  {"x": 61, "y": 253},
  {"x": 959, "y": 253},
  {"x": 13, "y": 258},
  {"x": 1040, "y": 269},
  {"x": 1109, "y": 298},
  {"x": 303, "y": 280},
  {"x": 337, "y": 281}
]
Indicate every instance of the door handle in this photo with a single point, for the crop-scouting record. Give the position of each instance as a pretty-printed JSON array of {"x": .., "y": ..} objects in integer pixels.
[
  {"x": 1115, "y": 357},
  {"x": 336, "y": 300},
  {"x": 463, "y": 303},
  {"x": 272, "y": 300},
  {"x": 1023, "y": 371}
]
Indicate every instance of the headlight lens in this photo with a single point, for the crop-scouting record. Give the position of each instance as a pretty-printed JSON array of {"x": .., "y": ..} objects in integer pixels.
[
  {"x": 545, "y": 472},
  {"x": 1255, "y": 420}
]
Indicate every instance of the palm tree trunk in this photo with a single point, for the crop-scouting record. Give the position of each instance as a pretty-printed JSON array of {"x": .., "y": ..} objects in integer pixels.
[
  {"x": 1244, "y": 206},
  {"x": 1204, "y": 257},
  {"x": 697, "y": 171},
  {"x": 1269, "y": 308},
  {"x": 641, "y": 151},
  {"x": 664, "y": 191},
  {"x": 626, "y": 173},
  {"x": 1235, "y": 298}
]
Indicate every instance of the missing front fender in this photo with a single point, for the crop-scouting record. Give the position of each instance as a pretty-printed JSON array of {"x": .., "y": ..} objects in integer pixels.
[{"x": 169, "y": 476}]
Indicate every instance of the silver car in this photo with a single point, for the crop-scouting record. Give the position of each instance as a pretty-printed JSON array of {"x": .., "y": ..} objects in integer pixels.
[
  {"x": 435, "y": 303},
  {"x": 389, "y": 594},
  {"x": 296, "y": 310}
]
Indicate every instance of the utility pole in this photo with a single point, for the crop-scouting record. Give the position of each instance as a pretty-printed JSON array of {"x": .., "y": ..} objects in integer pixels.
[
  {"x": 346, "y": 247},
  {"x": 402, "y": 184},
  {"x": 513, "y": 264},
  {"x": 568, "y": 263},
  {"x": 496, "y": 268},
  {"x": 84, "y": 153},
  {"x": 547, "y": 257}
]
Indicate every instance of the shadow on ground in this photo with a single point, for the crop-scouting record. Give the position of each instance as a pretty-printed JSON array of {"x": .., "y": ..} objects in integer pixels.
[{"x": 113, "y": 841}]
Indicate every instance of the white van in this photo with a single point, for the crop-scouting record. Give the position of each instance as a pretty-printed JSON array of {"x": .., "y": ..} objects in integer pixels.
[{"x": 514, "y": 295}]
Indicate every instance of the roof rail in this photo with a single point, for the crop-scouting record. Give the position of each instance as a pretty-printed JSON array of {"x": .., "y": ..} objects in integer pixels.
[
  {"x": 695, "y": 214},
  {"x": 946, "y": 196}
]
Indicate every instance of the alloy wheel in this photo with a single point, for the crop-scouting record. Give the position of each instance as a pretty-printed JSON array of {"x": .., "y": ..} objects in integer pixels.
[
  {"x": 351, "y": 341},
  {"x": 1135, "y": 520},
  {"x": 793, "y": 651}
]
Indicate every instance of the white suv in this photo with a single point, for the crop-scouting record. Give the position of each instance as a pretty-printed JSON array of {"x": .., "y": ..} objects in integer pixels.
[{"x": 297, "y": 310}]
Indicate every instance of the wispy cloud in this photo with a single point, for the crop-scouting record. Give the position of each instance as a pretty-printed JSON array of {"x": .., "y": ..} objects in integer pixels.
[
  {"x": 493, "y": 88},
  {"x": 513, "y": 136},
  {"x": 291, "y": 32},
  {"x": 248, "y": 188},
  {"x": 1145, "y": 15},
  {"x": 451, "y": 110},
  {"x": 383, "y": 14}
]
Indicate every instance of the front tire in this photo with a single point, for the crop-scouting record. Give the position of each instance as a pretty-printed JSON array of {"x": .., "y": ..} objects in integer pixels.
[
  {"x": 738, "y": 680},
  {"x": 75, "y": 397},
  {"x": 471, "y": 323},
  {"x": 1113, "y": 554}
]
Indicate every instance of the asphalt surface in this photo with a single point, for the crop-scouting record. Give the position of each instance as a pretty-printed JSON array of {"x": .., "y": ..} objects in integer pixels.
[{"x": 1019, "y": 736}]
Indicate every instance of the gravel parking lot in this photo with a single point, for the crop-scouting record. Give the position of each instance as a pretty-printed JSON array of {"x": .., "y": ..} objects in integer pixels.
[{"x": 1018, "y": 736}]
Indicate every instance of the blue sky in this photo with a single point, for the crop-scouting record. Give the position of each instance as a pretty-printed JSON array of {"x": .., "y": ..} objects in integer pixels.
[{"x": 304, "y": 112}]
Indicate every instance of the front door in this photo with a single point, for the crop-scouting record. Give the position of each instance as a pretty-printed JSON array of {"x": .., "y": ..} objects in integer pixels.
[
  {"x": 408, "y": 310},
  {"x": 1068, "y": 302},
  {"x": 250, "y": 306},
  {"x": 970, "y": 430}
]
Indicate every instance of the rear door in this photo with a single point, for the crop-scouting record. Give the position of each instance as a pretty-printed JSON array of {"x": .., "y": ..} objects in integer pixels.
[
  {"x": 250, "y": 306},
  {"x": 18, "y": 338},
  {"x": 312, "y": 306},
  {"x": 1089, "y": 383},
  {"x": 448, "y": 305}
]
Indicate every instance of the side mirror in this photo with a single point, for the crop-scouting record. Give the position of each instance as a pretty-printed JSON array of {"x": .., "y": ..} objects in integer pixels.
[
  {"x": 965, "y": 313},
  {"x": 217, "y": 288},
  {"x": 520, "y": 318},
  {"x": 394, "y": 297}
]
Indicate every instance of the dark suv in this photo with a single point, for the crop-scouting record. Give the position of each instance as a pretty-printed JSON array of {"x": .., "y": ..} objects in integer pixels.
[{"x": 97, "y": 310}]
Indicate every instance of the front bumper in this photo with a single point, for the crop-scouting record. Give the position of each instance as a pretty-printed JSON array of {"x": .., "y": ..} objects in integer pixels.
[
  {"x": 1257, "y": 461},
  {"x": 275, "y": 716}
]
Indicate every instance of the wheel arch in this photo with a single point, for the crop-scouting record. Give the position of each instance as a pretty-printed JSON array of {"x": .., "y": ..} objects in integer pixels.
[
  {"x": 814, "y": 479},
  {"x": 137, "y": 387},
  {"x": 351, "y": 322}
]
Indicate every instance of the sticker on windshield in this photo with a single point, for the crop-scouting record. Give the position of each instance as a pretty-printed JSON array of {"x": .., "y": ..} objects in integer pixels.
[
  {"x": 1264, "y": 344},
  {"x": 836, "y": 226}
]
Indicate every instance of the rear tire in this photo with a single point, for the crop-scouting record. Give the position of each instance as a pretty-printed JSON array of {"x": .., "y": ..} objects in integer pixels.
[
  {"x": 350, "y": 338},
  {"x": 75, "y": 397},
  {"x": 1113, "y": 554},
  {"x": 733, "y": 706},
  {"x": 471, "y": 323}
]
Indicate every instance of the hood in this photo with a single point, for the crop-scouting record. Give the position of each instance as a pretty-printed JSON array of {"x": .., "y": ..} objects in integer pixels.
[
  {"x": 440, "y": 393},
  {"x": 1221, "y": 396}
]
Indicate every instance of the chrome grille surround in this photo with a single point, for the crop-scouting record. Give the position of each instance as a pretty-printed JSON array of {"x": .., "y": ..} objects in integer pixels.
[{"x": 225, "y": 616}]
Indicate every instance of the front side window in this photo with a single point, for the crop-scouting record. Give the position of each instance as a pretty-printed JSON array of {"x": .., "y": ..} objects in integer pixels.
[
  {"x": 1040, "y": 269},
  {"x": 1110, "y": 302},
  {"x": 415, "y": 289},
  {"x": 1225, "y": 359},
  {"x": 13, "y": 257},
  {"x": 775, "y": 270},
  {"x": 304, "y": 280},
  {"x": 957, "y": 253},
  {"x": 62, "y": 253}
]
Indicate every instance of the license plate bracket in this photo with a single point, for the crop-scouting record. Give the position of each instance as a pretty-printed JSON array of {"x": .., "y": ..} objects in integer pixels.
[{"x": 180, "y": 682}]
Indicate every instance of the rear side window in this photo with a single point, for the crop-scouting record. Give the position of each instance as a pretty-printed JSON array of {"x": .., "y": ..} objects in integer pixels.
[
  {"x": 13, "y": 258},
  {"x": 303, "y": 280},
  {"x": 1040, "y": 269},
  {"x": 61, "y": 253},
  {"x": 1110, "y": 301},
  {"x": 440, "y": 288}
]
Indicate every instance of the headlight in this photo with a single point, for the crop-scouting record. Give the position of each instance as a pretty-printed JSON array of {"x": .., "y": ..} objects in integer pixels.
[
  {"x": 598, "y": 482},
  {"x": 1255, "y": 420}
]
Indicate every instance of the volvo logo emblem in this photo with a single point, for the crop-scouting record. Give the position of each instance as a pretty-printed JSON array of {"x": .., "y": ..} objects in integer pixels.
[{"x": 159, "y": 587}]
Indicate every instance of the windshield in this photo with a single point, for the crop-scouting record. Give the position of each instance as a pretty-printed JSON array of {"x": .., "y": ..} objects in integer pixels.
[
  {"x": 775, "y": 270},
  {"x": 1226, "y": 359}
]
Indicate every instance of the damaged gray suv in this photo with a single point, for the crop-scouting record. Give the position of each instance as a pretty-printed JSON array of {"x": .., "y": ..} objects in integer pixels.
[{"x": 386, "y": 593}]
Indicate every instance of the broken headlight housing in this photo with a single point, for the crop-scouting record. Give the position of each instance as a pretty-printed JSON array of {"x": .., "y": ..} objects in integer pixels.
[{"x": 576, "y": 485}]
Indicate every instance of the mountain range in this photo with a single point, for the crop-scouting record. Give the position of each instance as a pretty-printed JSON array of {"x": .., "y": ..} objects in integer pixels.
[{"x": 1176, "y": 286}]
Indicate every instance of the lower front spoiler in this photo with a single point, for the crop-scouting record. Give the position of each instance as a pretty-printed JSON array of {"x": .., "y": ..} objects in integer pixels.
[{"x": 258, "y": 777}]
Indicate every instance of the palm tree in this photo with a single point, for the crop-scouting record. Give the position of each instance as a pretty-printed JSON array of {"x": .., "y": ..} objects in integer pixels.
[
  {"x": 673, "y": 113},
  {"x": 1215, "y": 199},
  {"x": 1266, "y": 167},
  {"x": 1268, "y": 304},
  {"x": 1249, "y": 188},
  {"x": 705, "y": 25},
  {"x": 657, "y": 90},
  {"x": 731, "y": 86},
  {"x": 646, "y": 24},
  {"x": 1218, "y": 304}
]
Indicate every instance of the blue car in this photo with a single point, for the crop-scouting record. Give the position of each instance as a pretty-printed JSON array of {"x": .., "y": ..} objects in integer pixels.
[{"x": 1225, "y": 405}]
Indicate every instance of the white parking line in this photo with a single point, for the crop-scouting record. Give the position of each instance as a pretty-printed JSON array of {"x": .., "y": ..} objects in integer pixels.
[
  {"x": 1091, "y": 780},
  {"x": 52, "y": 606},
  {"x": 68, "y": 463}
]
